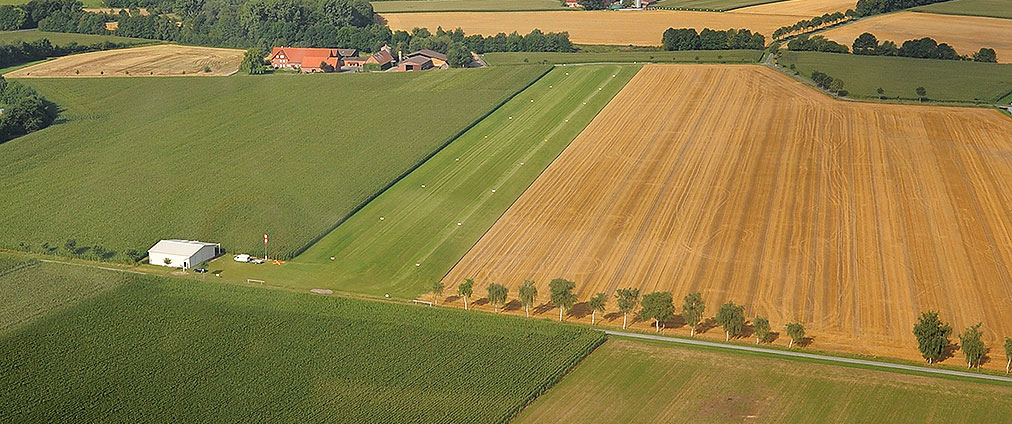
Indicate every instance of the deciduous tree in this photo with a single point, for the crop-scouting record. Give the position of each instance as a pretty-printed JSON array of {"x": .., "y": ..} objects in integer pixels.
[
  {"x": 732, "y": 318},
  {"x": 437, "y": 291},
  {"x": 796, "y": 332},
  {"x": 921, "y": 93},
  {"x": 1008, "y": 354},
  {"x": 658, "y": 306},
  {"x": 932, "y": 336},
  {"x": 761, "y": 328},
  {"x": 465, "y": 290},
  {"x": 528, "y": 295},
  {"x": 627, "y": 300},
  {"x": 497, "y": 295},
  {"x": 597, "y": 304},
  {"x": 562, "y": 295},
  {"x": 972, "y": 345},
  {"x": 692, "y": 311}
]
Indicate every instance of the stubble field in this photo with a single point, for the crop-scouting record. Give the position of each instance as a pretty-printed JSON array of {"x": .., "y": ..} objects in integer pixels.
[
  {"x": 801, "y": 8},
  {"x": 966, "y": 34},
  {"x": 851, "y": 218},
  {"x": 592, "y": 27},
  {"x": 159, "y": 60}
]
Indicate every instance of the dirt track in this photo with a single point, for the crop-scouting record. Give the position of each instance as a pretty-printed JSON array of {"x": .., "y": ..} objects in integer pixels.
[
  {"x": 593, "y": 27},
  {"x": 966, "y": 34},
  {"x": 160, "y": 60},
  {"x": 748, "y": 186}
]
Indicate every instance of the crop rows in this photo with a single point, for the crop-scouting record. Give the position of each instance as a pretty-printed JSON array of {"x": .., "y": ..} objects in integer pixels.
[{"x": 174, "y": 350}]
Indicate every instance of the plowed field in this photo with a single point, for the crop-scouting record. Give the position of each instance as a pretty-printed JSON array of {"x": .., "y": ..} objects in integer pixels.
[
  {"x": 966, "y": 34},
  {"x": 747, "y": 186},
  {"x": 592, "y": 27},
  {"x": 160, "y": 60}
]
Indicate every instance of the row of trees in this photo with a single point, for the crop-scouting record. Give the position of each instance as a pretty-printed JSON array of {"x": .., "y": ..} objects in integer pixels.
[
  {"x": 21, "y": 52},
  {"x": 828, "y": 83},
  {"x": 817, "y": 43},
  {"x": 658, "y": 307},
  {"x": 806, "y": 25},
  {"x": 933, "y": 341},
  {"x": 925, "y": 48},
  {"x": 875, "y": 7},
  {"x": 708, "y": 39},
  {"x": 24, "y": 110}
]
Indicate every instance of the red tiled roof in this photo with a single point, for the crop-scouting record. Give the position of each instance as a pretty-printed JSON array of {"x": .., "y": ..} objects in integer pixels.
[
  {"x": 297, "y": 55},
  {"x": 429, "y": 54},
  {"x": 315, "y": 61},
  {"x": 381, "y": 57}
]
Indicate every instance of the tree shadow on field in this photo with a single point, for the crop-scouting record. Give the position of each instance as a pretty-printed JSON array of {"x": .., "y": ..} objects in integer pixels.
[
  {"x": 706, "y": 325},
  {"x": 480, "y": 301},
  {"x": 611, "y": 316},
  {"x": 579, "y": 310},
  {"x": 772, "y": 337},
  {"x": 542, "y": 308},
  {"x": 949, "y": 351},
  {"x": 451, "y": 299},
  {"x": 674, "y": 322},
  {"x": 806, "y": 341},
  {"x": 512, "y": 305}
]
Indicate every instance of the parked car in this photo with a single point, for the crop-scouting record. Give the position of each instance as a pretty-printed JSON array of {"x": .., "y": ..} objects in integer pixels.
[
  {"x": 256, "y": 261},
  {"x": 200, "y": 270},
  {"x": 241, "y": 258}
]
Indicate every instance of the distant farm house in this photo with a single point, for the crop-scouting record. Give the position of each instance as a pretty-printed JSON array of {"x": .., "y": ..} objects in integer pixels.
[
  {"x": 438, "y": 59},
  {"x": 417, "y": 63},
  {"x": 306, "y": 60},
  {"x": 182, "y": 253}
]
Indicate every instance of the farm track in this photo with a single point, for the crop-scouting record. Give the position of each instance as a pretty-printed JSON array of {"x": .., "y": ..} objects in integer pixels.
[
  {"x": 592, "y": 27},
  {"x": 966, "y": 34},
  {"x": 851, "y": 218}
]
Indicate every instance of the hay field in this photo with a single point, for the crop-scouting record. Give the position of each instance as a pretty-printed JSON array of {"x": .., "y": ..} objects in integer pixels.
[
  {"x": 160, "y": 60},
  {"x": 849, "y": 217},
  {"x": 802, "y": 8},
  {"x": 592, "y": 27},
  {"x": 966, "y": 34}
]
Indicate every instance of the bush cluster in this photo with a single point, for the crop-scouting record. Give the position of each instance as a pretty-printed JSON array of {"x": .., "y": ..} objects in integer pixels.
[
  {"x": 708, "y": 39},
  {"x": 924, "y": 48},
  {"x": 811, "y": 24},
  {"x": 23, "y": 110}
]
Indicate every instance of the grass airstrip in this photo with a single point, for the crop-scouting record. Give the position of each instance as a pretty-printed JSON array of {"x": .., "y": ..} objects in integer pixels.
[
  {"x": 135, "y": 348},
  {"x": 414, "y": 232},
  {"x": 135, "y": 160}
]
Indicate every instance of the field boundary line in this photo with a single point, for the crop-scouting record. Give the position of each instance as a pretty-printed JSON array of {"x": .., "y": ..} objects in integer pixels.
[
  {"x": 837, "y": 359},
  {"x": 95, "y": 266}
]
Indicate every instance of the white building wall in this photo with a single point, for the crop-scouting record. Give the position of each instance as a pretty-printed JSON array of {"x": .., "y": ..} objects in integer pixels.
[{"x": 159, "y": 259}]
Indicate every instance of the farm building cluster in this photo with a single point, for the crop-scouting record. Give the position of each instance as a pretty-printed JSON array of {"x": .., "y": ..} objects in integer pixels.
[
  {"x": 615, "y": 5},
  {"x": 315, "y": 60}
]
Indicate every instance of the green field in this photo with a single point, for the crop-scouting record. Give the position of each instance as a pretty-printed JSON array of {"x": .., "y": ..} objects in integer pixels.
[
  {"x": 637, "y": 381},
  {"x": 715, "y": 5},
  {"x": 64, "y": 38},
  {"x": 990, "y": 8},
  {"x": 944, "y": 80},
  {"x": 704, "y": 56},
  {"x": 87, "y": 3},
  {"x": 394, "y": 6},
  {"x": 156, "y": 349},
  {"x": 227, "y": 159},
  {"x": 505, "y": 152}
]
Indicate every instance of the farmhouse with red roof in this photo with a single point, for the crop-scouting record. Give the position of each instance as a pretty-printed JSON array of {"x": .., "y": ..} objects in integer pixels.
[{"x": 307, "y": 60}]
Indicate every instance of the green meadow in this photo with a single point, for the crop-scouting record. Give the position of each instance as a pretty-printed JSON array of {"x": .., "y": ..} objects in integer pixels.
[
  {"x": 134, "y": 160},
  {"x": 64, "y": 38},
  {"x": 395, "y": 6},
  {"x": 692, "y": 56},
  {"x": 413, "y": 233},
  {"x": 987, "y": 8},
  {"x": 713, "y": 5},
  {"x": 899, "y": 77}
]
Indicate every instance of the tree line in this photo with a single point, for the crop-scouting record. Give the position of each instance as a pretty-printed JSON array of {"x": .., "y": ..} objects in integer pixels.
[
  {"x": 875, "y": 7},
  {"x": 806, "y": 25},
  {"x": 934, "y": 344},
  {"x": 924, "y": 48},
  {"x": 22, "y": 110},
  {"x": 657, "y": 307},
  {"x": 708, "y": 39},
  {"x": 22, "y": 52}
]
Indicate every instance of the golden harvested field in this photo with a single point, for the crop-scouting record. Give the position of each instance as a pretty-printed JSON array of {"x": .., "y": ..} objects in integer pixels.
[
  {"x": 802, "y": 8},
  {"x": 160, "y": 60},
  {"x": 591, "y": 27},
  {"x": 966, "y": 34},
  {"x": 745, "y": 185}
]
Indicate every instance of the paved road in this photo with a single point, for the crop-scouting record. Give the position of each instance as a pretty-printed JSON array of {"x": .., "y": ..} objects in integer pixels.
[{"x": 814, "y": 356}]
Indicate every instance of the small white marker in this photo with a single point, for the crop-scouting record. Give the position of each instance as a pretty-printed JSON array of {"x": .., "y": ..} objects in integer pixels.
[
  {"x": 599, "y": 89},
  {"x": 532, "y": 100},
  {"x": 418, "y": 264},
  {"x": 511, "y": 117},
  {"x": 567, "y": 120},
  {"x": 423, "y": 185},
  {"x": 584, "y": 102},
  {"x": 331, "y": 258},
  {"x": 381, "y": 218},
  {"x": 458, "y": 224},
  {"x": 549, "y": 86},
  {"x": 567, "y": 73},
  {"x": 493, "y": 190},
  {"x": 456, "y": 160},
  {"x": 521, "y": 163}
]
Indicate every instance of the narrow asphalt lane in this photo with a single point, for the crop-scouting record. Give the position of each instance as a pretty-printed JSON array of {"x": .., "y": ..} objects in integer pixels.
[{"x": 813, "y": 356}]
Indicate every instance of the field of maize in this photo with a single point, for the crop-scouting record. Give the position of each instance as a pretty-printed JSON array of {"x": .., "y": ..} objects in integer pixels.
[
  {"x": 132, "y": 161},
  {"x": 178, "y": 350}
]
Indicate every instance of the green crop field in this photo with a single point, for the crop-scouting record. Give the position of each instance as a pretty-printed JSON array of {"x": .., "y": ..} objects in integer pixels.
[
  {"x": 715, "y": 5},
  {"x": 64, "y": 38},
  {"x": 87, "y": 3},
  {"x": 944, "y": 80},
  {"x": 700, "y": 56},
  {"x": 394, "y": 6},
  {"x": 157, "y": 349},
  {"x": 227, "y": 159},
  {"x": 989, "y": 8},
  {"x": 414, "y": 232},
  {"x": 637, "y": 381}
]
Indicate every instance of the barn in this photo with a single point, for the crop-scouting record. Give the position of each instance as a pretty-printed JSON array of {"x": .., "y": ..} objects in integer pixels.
[{"x": 182, "y": 253}]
